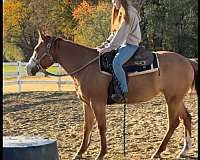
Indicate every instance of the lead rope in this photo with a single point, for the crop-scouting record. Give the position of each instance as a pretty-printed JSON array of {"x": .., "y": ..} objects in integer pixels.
[
  {"x": 124, "y": 131},
  {"x": 116, "y": 82},
  {"x": 71, "y": 73}
]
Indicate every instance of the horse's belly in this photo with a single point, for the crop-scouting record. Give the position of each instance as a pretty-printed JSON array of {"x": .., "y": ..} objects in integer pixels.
[{"x": 144, "y": 87}]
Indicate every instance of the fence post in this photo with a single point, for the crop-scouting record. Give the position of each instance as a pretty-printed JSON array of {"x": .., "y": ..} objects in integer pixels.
[
  {"x": 19, "y": 76},
  {"x": 59, "y": 78}
]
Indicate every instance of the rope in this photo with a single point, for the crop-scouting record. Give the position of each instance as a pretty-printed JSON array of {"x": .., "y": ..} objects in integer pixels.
[
  {"x": 75, "y": 71},
  {"x": 124, "y": 131}
]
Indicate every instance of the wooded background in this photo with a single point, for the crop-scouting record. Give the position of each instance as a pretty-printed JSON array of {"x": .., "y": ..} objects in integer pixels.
[{"x": 166, "y": 24}]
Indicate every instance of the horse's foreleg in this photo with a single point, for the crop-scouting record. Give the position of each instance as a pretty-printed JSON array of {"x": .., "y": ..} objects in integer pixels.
[
  {"x": 174, "y": 121},
  {"x": 187, "y": 123},
  {"x": 99, "y": 110},
  {"x": 88, "y": 125}
]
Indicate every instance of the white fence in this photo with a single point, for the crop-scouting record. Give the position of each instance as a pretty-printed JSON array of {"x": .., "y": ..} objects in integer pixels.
[{"x": 19, "y": 74}]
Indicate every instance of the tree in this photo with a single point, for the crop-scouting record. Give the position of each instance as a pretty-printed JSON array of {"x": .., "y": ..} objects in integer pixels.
[
  {"x": 93, "y": 23},
  {"x": 12, "y": 13},
  {"x": 12, "y": 53},
  {"x": 55, "y": 17},
  {"x": 169, "y": 25}
]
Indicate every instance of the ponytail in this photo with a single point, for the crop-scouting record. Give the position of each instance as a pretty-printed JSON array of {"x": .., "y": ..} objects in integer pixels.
[{"x": 124, "y": 4}]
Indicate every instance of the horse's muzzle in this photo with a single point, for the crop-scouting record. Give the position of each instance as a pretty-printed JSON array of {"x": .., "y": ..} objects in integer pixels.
[{"x": 31, "y": 71}]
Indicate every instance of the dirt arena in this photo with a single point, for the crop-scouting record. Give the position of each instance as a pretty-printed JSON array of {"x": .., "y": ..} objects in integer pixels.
[{"x": 59, "y": 115}]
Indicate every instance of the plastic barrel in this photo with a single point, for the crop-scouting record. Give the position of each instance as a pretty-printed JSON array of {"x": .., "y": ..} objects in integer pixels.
[{"x": 29, "y": 148}]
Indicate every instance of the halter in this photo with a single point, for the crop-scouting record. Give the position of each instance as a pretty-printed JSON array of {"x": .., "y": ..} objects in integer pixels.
[{"x": 46, "y": 54}]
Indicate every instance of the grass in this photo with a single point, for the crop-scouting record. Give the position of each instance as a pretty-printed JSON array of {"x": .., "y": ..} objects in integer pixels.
[
  {"x": 8, "y": 69},
  {"x": 13, "y": 69}
]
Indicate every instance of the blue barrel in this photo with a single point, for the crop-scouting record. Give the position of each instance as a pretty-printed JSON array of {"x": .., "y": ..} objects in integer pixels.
[{"x": 29, "y": 148}]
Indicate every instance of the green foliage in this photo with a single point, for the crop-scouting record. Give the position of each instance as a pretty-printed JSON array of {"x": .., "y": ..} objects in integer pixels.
[
  {"x": 171, "y": 25},
  {"x": 13, "y": 69},
  {"x": 93, "y": 24},
  {"x": 166, "y": 24},
  {"x": 12, "y": 53},
  {"x": 54, "y": 17}
]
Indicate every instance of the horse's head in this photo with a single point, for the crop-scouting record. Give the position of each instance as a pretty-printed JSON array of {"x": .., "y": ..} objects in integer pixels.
[{"x": 42, "y": 56}]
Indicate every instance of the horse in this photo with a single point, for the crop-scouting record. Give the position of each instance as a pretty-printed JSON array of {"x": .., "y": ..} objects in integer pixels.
[{"x": 177, "y": 74}]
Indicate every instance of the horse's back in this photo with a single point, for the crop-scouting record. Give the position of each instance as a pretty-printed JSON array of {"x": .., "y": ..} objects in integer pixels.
[
  {"x": 173, "y": 78},
  {"x": 176, "y": 73}
]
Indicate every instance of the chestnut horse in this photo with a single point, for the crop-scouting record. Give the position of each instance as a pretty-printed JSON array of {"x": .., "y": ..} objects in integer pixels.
[{"x": 177, "y": 75}]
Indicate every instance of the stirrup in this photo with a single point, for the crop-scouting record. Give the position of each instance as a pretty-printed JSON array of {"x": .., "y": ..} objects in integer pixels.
[
  {"x": 125, "y": 95},
  {"x": 118, "y": 98}
]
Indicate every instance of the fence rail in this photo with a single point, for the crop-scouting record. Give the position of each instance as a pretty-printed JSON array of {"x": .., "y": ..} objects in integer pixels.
[{"x": 19, "y": 74}]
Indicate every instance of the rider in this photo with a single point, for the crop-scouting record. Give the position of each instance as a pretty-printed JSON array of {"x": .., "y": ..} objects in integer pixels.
[{"x": 127, "y": 37}]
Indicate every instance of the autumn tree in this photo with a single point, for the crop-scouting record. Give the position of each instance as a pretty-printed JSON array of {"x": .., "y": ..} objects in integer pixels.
[
  {"x": 166, "y": 25},
  {"x": 23, "y": 18},
  {"x": 12, "y": 15},
  {"x": 93, "y": 23}
]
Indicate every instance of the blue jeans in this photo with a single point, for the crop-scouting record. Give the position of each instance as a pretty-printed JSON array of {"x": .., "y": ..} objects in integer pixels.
[{"x": 125, "y": 52}]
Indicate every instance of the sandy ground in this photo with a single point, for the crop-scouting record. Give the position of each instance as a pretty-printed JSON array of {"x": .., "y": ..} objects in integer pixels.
[{"x": 59, "y": 115}]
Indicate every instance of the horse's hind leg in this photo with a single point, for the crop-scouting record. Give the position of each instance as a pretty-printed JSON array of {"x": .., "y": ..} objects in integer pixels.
[
  {"x": 187, "y": 123},
  {"x": 173, "y": 118},
  {"x": 88, "y": 125}
]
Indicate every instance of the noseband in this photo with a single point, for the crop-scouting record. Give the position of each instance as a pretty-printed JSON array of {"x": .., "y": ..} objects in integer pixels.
[{"x": 46, "y": 54}]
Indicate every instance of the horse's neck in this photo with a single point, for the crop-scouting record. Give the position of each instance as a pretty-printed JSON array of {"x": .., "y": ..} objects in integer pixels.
[{"x": 72, "y": 56}]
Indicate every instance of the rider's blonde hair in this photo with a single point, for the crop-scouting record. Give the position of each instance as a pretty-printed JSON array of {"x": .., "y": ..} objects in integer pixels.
[{"x": 118, "y": 15}]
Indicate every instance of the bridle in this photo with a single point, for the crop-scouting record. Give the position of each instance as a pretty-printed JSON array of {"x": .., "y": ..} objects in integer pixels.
[
  {"x": 46, "y": 54},
  {"x": 49, "y": 55}
]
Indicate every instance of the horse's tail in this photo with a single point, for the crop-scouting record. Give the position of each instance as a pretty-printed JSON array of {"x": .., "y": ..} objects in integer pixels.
[{"x": 194, "y": 64}]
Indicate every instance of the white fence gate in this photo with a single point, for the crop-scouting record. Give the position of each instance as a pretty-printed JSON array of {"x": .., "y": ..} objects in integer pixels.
[{"x": 19, "y": 73}]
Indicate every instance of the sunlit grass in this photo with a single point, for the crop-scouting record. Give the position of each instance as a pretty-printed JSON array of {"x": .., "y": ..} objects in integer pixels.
[
  {"x": 13, "y": 69},
  {"x": 8, "y": 69}
]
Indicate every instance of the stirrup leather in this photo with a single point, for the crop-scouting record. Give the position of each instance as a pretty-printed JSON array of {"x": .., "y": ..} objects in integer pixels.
[{"x": 118, "y": 96}]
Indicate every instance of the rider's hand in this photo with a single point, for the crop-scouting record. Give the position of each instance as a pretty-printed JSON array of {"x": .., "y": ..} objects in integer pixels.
[
  {"x": 103, "y": 50},
  {"x": 101, "y": 46}
]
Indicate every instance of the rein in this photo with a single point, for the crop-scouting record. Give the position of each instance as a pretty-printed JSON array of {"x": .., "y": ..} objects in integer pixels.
[
  {"x": 124, "y": 130},
  {"x": 73, "y": 72}
]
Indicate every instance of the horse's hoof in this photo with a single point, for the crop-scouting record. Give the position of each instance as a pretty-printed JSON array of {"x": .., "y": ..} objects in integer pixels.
[
  {"x": 181, "y": 156},
  {"x": 99, "y": 158},
  {"x": 155, "y": 156},
  {"x": 77, "y": 157}
]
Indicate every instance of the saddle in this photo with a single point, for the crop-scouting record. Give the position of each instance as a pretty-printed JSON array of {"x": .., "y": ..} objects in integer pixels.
[
  {"x": 142, "y": 57},
  {"x": 143, "y": 61}
]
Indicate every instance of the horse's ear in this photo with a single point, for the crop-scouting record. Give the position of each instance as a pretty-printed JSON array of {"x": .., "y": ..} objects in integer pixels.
[
  {"x": 39, "y": 33},
  {"x": 42, "y": 35}
]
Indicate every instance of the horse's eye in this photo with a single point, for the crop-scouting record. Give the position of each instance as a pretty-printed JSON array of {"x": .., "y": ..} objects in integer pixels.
[{"x": 36, "y": 49}]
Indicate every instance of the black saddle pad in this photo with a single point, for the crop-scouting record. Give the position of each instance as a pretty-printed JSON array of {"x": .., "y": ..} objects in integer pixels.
[
  {"x": 106, "y": 64},
  {"x": 106, "y": 67}
]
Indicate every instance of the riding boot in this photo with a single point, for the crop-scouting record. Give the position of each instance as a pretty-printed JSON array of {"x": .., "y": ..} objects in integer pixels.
[
  {"x": 125, "y": 95},
  {"x": 120, "y": 98}
]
